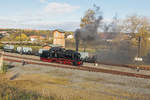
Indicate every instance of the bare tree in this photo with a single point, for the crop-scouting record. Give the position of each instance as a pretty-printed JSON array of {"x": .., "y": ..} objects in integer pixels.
[{"x": 132, "y": 24}]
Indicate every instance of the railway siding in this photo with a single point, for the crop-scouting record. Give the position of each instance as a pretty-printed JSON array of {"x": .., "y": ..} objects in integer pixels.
[
  {"x": 109, "y": 67},
  {"x": 84, "y": 68}
]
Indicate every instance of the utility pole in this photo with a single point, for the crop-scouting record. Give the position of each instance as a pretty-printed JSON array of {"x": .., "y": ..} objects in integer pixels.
[
  {"x": 20, "y": 38},
  {"x": 139, "y": 47},
  {"x": 138, "y": 59},
  {"x": 20, "y": 43},
  {"x": 84, "y": 47}
]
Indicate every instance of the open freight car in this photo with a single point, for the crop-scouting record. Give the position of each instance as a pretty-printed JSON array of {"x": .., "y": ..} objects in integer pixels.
[{"x": 60, "y": 55}]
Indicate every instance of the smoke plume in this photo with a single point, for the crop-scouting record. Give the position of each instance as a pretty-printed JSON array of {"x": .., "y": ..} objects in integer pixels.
[{"x": 89, "y": 32}]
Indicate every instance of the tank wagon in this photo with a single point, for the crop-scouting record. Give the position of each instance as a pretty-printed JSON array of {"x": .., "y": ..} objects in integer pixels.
[
  {"x": 24, "y": 50},
  {"x": 60, "y": 55},
  {"x": 8, "y": 48}
]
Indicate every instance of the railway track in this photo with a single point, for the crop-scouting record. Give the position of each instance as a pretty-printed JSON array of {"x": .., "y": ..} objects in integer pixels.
[
  {"x": 84, "y": 68},
  {"x": 22, "y": 57},
  {"x": 127, "y": 66},
  {"x": 119, "y": 65}
]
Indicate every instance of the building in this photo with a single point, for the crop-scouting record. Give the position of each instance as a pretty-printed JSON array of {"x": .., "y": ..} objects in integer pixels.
[
  {"x": 59, "y": 37},
  {"x": 47, "y": 47},
  {"x": 4, "y": 33},
  {"x": 70, "y": 37},
  {"x": 34, "y": 38}
]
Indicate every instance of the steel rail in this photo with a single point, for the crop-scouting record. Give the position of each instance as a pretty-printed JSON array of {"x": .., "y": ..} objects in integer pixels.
[{"x": 85, "y": 68}]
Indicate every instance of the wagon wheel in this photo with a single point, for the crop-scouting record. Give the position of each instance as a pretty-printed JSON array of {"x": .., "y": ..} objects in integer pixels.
[
  {"x": 21, "y": 52},
  {"x": 81, "y": 63}
]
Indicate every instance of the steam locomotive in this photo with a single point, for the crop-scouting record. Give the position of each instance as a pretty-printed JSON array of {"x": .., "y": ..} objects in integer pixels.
[{"x": 60, "y": 55}]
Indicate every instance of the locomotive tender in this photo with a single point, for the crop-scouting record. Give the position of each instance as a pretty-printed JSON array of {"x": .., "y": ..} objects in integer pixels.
[{"x": 8, "y": 48}]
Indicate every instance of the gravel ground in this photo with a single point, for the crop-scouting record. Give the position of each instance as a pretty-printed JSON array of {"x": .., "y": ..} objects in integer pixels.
[
  {"x": 108, "y": 84},
  {"x": 97, "y": 82},
  {"x": 118, "y": 68}
]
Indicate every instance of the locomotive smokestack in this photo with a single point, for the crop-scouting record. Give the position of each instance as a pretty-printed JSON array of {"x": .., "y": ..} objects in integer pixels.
[{"x": 77, "y": 45}]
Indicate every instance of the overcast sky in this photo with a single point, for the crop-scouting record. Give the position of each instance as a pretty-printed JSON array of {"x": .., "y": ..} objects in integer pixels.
[{"x": 63, "y": 14}]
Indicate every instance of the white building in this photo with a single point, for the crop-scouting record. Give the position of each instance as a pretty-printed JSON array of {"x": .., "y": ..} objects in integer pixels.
[{"x": 70, "y": 37}]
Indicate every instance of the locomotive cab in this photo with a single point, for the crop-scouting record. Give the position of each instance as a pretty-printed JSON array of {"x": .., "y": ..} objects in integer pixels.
[{"x": 77, "y": 59}]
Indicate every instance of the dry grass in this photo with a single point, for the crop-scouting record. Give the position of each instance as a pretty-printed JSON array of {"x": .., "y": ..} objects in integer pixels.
[
  {"x": 93, "y": 79},
  {"x": 60, "y": 73},
  {"x": 97, "y": 79},
  {"x": 54, "y": 84},
  {"x": 31, "y": 68},
  {"x": 55, "y": 87},
  {"x": 60, "y": 93},
  {"x": 44, "y": 78}
]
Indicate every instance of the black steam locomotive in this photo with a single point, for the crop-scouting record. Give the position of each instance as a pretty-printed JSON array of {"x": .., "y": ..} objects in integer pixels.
[{"x": 60, "y": 55}]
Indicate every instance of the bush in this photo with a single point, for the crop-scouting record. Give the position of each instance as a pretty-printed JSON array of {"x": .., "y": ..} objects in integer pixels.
[
  {"x": 4, "y": 68},
  {"x": 1, "y": 46}
]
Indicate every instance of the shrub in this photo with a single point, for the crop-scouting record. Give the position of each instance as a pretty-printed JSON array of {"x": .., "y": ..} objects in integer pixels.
[{"x": 4, "y": 68}]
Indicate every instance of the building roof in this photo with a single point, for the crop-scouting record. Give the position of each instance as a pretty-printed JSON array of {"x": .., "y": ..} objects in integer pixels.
[
  {"x": 53, "y": 45},
  {"x": 60, "y": 30},
  {"x": 35, "y": 36}
]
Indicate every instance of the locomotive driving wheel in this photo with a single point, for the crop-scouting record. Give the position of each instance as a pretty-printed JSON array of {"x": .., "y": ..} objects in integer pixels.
[{"x": 75, "y": 63}]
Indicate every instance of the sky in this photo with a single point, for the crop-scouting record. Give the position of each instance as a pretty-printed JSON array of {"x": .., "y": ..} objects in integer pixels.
[{"x": 63, "y": 14}]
